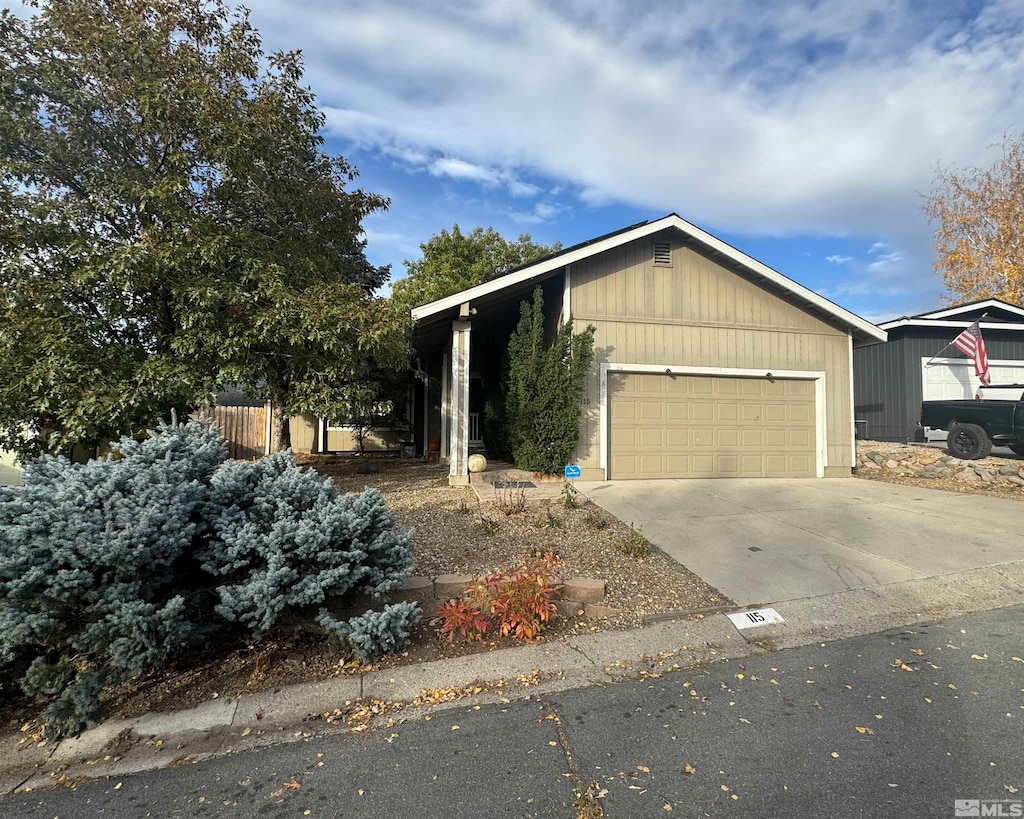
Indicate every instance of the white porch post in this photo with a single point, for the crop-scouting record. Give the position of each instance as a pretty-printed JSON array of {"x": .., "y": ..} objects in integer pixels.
[
  {"x": 446, "y": 403},
  {"x": 458, "y": 449}
]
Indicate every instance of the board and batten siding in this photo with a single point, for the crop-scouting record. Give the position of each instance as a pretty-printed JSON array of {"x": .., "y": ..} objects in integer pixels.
[
  {"x": 699, "y": 313},
  {"x": 888, "y": 378}
]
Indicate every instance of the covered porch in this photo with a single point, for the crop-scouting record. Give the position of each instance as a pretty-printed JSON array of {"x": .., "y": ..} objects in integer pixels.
[{"x": 460, "y": 349}]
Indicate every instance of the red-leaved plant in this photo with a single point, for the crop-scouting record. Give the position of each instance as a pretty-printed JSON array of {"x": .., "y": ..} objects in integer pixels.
[{"x": 518, "y": 602}]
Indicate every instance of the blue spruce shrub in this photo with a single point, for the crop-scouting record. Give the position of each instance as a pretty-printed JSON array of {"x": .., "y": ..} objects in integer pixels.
[
  {"x": 376, "y": 633},
  {"x": 284, "y": 538},
  {"x": 108, "y": 567},
  {"x": 90, "y": 558}
]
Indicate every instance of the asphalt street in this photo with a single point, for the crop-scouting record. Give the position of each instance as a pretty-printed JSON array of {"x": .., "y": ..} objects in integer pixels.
[{"x": 896, "y": 724}]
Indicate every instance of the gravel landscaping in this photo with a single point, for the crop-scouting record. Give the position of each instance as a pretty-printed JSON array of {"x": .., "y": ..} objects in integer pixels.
[
  {"x": 454, "y": 534},
  {"x": 457, "y": 534},
  {"x": 928, "y": 466}
]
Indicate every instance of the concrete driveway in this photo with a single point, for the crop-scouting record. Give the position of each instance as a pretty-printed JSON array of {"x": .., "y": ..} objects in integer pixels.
[{"x": 764, "y": 541}]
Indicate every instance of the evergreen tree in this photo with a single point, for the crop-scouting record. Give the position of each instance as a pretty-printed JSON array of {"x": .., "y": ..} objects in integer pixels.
[{"x": 544, "y": 386}]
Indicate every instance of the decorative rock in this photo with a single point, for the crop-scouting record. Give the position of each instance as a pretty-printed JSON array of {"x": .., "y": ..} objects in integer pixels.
[
  {"x": 477, "y": 463},
  {"x": 1016, "y": 480},
  {"x": 595, "y": 612},
  {"x": 415, "y": 589},
  {"x": 968, "y": 475},
  {"x": 983, "y": 473},
  {"x": 447, "y": 586},
  {"x": 566, "y": 608},
  {"x": 583, "y": 590},
  {"x": 890, "y": 464}
]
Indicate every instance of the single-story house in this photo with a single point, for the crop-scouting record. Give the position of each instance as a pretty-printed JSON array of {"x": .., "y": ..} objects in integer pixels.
[
  {"x": 708, "y": 363},
  {"x": 918, "y": 364}
]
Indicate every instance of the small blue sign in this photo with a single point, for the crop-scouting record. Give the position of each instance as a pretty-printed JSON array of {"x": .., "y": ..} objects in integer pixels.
[{"x": 572, "y": 471}]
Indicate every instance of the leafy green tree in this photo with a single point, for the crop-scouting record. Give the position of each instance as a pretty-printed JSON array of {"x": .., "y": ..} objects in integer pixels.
[
  {"x": 454, "y": 261},
  {"x": 169, "y": 221},
  {"x": 544, "y": 386}
]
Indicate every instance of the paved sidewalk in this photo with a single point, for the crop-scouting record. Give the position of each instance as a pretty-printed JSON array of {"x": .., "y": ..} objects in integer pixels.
[{"x": 121, "y": 747}]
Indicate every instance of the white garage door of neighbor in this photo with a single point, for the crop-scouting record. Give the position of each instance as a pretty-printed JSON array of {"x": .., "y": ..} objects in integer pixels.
[
  {"x": 954, "y": 379},
  {"x": 681, "y": 426}
]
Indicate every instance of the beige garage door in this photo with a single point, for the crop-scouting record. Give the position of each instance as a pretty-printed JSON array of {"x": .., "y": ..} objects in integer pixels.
[{"x": 684, "y": 426}]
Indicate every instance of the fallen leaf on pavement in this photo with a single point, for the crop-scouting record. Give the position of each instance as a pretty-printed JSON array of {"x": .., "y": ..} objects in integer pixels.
[
  {"x": 979, "y": 656},
  {"x": 725, "y": 788},
  {"x": 1011, "y": 789},
  {"x": 917, "y": 651},
  {"x": 951, "y": 687},
  {"x": 455, "y": 727},
  {"x": 117, "y": 787},
  {"x": 667, "y": 806},
  {"x": 643, "y": 768},
  {"x": 928, "y": 699},
  {"x": 292, "y": 785},
  {"x": 688, "y": 768},
  {"x": 835, "y": 755}
]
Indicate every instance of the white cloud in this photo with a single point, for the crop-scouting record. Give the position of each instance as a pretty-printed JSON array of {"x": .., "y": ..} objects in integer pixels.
[
  {"x": 460, "y": 169},
  {"x": 837, "y": 259},
  {"x": 802, "y": 118}
]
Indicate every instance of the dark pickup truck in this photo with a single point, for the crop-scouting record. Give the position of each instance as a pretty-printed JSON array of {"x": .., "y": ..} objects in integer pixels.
[{"x": 974, "y": 426}]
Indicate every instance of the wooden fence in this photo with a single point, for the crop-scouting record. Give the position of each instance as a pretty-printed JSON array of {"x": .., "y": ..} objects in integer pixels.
[{"x": 244, "y": 429}]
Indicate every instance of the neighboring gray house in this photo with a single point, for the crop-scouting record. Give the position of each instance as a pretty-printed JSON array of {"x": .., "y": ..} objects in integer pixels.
[
  {"x": 892, "y": 379},
  {"x": 708, "y": 363}
]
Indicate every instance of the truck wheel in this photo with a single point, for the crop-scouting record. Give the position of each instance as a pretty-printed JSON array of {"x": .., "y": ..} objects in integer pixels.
[
  {"x": 968, "y": 441},
  {"x": 1017, "y": 449}
]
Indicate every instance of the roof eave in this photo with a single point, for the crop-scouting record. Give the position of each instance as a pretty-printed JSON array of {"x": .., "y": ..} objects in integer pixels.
[{"x": 864, "y": 328}]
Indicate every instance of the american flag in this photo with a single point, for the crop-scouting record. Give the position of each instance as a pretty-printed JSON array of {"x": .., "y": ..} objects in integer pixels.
[{"x": 970, "y": 343}]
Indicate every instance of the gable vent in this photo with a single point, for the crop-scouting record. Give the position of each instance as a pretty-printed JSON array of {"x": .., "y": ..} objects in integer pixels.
[{"x": 663, "y": 253}]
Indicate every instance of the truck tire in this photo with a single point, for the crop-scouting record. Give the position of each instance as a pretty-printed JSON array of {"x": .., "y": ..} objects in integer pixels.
[
  {"x": 968, "y": 441},
  {"x": 1017, "y": 449}
]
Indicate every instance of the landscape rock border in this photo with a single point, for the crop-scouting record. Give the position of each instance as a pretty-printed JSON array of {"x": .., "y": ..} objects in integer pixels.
[{"x": 915, "y": 461}]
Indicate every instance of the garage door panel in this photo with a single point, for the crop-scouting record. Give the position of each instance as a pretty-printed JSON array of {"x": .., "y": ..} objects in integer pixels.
[
  {"x": 798, "y": 413},
  {"x": 650, "y": 383},
  {"x": 703, "y": 437},
  {"x": 710, "y": 426},
  {"x": 753, "y": 437},
  {"x": 728, "y": 438},
  {"x": 799, "y": 439},
  {"x": 652, "y": 438}
]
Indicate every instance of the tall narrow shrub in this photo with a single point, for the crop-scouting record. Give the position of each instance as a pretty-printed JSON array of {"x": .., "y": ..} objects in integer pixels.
[{"x": 544, "y": 386}]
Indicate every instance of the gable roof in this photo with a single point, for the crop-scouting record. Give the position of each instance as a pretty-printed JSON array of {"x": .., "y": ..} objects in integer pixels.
[
  {"x": 1003, "y": 316},
  {"x": 541, "y": 268}
]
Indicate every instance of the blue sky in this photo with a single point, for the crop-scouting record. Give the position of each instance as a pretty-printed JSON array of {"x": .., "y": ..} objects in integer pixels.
[{"x": 801, "y": 132}]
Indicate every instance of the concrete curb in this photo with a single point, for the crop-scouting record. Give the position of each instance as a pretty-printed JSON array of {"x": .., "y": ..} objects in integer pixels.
[{"x": 158, "y": 740}]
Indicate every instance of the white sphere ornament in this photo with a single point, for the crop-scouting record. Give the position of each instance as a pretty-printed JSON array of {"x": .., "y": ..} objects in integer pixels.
[{"x": 477, "y": 463}]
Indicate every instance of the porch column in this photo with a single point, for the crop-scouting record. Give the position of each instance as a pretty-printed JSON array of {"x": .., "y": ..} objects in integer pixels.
[
  {"x": 446, "y": 403},
  {"x": 458, "y": 438}
]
